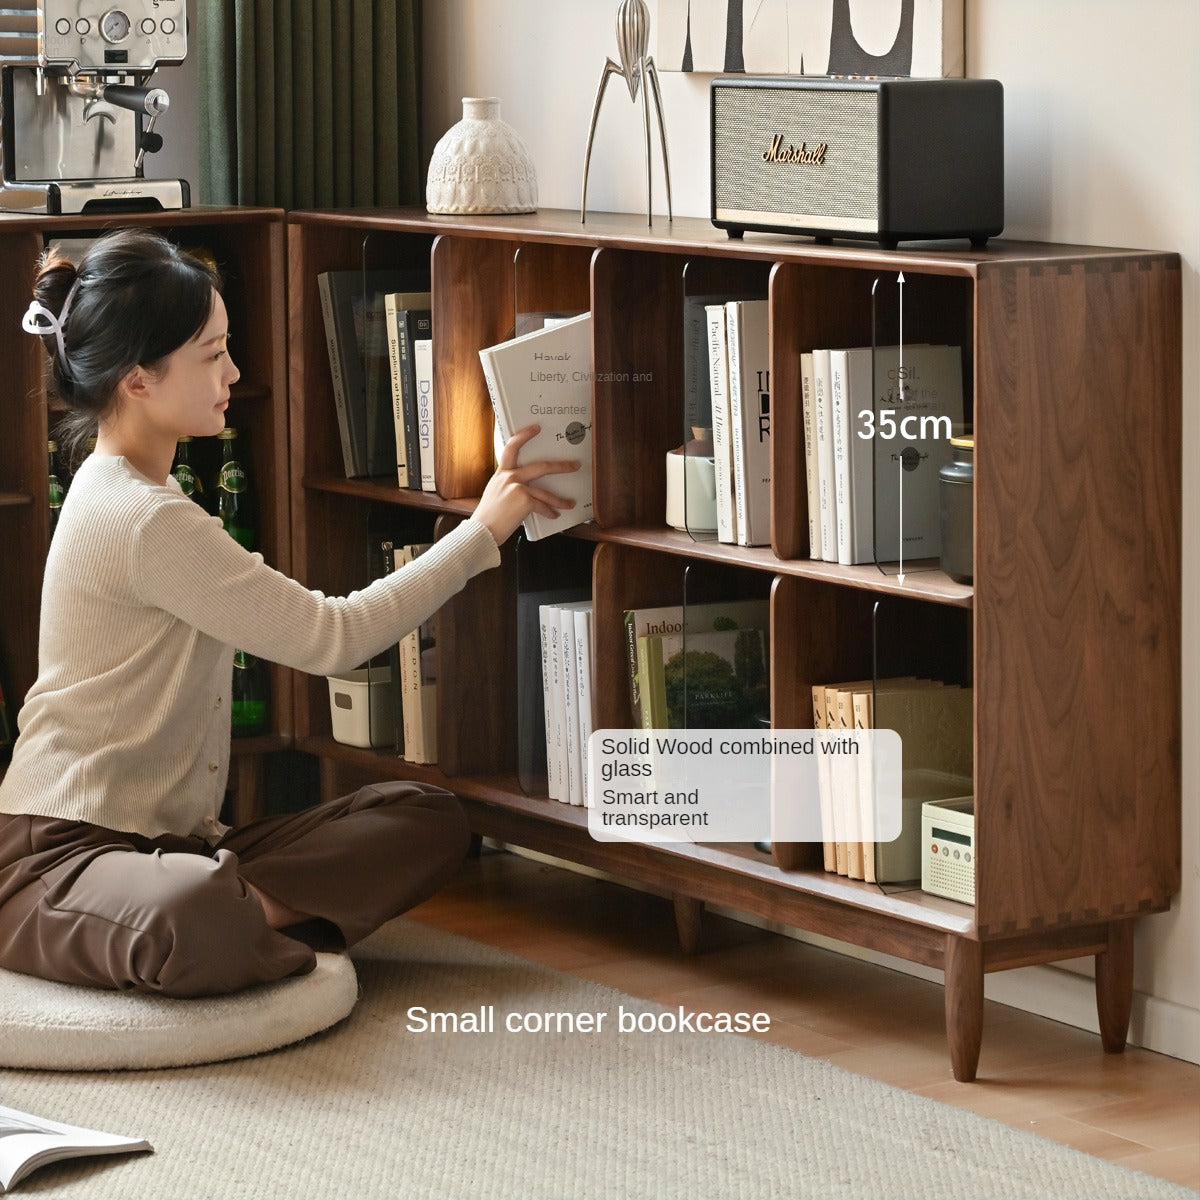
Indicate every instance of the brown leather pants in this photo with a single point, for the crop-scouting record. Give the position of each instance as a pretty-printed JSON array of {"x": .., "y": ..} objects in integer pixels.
[{"x": 87, "y": 905}]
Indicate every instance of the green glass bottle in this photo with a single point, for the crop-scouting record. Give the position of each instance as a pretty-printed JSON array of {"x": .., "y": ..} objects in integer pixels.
[
  {"x": 55, "y": 484},
  {"x": 249, "y": 708},
  {"x": 189, "y": 479},
  {"x": 234, "y": 504}
]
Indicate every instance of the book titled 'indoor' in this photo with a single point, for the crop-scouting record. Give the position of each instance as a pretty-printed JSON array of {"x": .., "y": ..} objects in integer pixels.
[{"x": 545, "y": 378}]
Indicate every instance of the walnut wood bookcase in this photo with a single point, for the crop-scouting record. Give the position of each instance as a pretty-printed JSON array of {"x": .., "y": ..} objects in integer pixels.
[
  {"x": 248, "y": 244},
  {"x": 1070, "y": 634}
]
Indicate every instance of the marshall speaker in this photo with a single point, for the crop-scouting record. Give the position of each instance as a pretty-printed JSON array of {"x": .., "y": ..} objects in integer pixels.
[{"x": 883, "y": 160}]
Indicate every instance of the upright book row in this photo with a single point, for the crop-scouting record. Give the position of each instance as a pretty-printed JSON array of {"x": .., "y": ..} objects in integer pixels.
[
  {"x": 877, "y": 431},
  {"x": 412, "y": 676},
  {"x": 934, "y": 721},
  {"x": 378, "y": 335},
  {"x": 876, "y": 426}
]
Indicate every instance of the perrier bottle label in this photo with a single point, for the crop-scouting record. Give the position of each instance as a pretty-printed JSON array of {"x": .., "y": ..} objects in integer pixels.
[
  {"x": 190, "y": 483},
  {"x": 233, "y": 492}
]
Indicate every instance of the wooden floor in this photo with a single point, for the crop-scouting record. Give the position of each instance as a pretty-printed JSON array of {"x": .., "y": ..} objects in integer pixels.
[{"x": 1138, "y": 1108}]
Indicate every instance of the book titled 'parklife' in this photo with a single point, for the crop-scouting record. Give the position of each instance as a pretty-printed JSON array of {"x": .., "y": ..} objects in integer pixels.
[{"x": 545, "y": 378}]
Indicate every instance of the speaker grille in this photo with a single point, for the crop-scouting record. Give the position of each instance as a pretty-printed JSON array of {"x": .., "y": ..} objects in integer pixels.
[{"x": 845, "y": 188}]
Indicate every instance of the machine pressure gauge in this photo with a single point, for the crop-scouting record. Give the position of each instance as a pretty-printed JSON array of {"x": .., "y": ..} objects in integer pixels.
[{"x": 115, "y": 25}]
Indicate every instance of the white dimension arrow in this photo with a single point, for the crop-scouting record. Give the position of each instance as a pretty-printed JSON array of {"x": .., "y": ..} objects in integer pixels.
[{"x": 900, "y": 280}]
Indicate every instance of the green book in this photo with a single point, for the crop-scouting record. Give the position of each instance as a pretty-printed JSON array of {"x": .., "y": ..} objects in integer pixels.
[{"x": 713, "y": 680}]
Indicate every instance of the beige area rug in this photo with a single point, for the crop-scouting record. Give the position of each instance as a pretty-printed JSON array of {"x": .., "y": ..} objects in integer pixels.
[{"x": 372, "y": 1109}]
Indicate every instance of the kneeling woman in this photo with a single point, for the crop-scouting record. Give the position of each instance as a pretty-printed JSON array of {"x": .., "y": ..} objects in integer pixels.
[{"x": 115, "y": 870}]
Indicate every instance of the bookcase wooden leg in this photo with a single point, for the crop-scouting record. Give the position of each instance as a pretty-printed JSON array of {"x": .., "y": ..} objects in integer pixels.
[
  {"x": 688, "y": 919},
  {"x": 1114, "y": 986},
  {"x": 963, "y": 969}
]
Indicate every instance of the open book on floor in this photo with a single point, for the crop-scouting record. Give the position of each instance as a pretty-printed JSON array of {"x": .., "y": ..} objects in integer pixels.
[{"x": 28, "y": 1142}]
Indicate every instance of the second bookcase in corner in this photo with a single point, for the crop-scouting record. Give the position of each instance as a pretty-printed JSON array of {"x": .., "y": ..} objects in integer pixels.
[{"x": 1072, "y": 381}]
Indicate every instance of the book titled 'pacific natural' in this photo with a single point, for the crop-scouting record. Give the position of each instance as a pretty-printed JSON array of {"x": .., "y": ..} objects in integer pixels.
[{"x": 545, "y": 378}]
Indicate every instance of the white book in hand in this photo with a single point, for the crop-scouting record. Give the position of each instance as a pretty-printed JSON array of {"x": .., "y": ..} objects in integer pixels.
[
  {"x": 28, "y": 1142},
  {"x": 545, "y": 378}
]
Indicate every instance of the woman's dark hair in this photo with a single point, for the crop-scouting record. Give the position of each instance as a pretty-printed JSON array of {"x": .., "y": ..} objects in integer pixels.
[{"x": 137, "y": 298}]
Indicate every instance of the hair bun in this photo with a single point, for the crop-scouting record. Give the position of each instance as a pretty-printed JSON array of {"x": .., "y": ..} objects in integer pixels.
[{"x": 55, "y": 277}]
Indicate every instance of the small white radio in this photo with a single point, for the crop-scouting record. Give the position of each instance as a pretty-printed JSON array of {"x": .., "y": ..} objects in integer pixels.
[{"x": 948, "y": 848}]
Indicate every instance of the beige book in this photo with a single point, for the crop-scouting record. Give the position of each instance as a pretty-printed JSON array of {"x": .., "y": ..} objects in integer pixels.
[
  {"x": 828, "y": 838},
  {"x": 846, "y": 784}
]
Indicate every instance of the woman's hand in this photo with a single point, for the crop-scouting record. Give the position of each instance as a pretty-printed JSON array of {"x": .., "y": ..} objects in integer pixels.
[{"x": 510, "y": 495}]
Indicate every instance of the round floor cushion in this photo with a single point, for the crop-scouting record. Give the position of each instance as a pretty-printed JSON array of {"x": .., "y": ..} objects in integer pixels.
[{"x": 58, "y": 1027}]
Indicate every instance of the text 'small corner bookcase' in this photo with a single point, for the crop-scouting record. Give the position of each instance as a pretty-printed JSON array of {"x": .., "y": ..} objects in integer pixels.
[{"x": 1070, "y": 634}]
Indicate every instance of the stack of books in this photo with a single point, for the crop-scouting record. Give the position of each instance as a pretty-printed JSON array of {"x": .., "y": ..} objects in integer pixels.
[
  {"x": 739, "y": 382},
  {"x": 703, "y": 666},
  {"x": 874, "y": 446},
  {"x": 378, "y": 336},
  {"x": 935, "y": 724},
  {"x": 413, "y": 663}
]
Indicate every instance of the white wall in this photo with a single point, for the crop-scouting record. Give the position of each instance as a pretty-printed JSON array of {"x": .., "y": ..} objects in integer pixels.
[{"x": 1102, "y": 110}]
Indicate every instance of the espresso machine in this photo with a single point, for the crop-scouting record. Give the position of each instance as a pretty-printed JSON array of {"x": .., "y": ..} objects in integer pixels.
[{"x": 77, "y": 109}]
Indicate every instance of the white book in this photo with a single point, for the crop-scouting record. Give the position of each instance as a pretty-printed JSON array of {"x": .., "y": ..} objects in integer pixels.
[
  {"x": 556, "y": 763},
  {"x": 733, "y": 353},
  {"x": 823, "y": 389},
  {"x": 418, "y": 681},
  {"x": 718, "y": 365},
  {"x": 423, "y": 368},
  {"x": 748, "y": 334},
  {"x": 583, "y": 677},
  {"x": 811, "y": 478},
  {"x": 545, "y": 378},
  {"x": 570, "y": 704},
  {"x": 842, "y": 441},
  {"x": 851, "y": 371},
  {"x": 575, "y": 736},
  {"x": 28, "y": 1142}
]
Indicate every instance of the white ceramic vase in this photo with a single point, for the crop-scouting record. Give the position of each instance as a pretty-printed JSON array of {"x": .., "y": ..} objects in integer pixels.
[{"x": 481, "y": 165}]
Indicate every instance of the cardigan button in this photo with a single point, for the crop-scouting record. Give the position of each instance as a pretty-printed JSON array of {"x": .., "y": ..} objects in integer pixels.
[{"x": 212, "y": 766}]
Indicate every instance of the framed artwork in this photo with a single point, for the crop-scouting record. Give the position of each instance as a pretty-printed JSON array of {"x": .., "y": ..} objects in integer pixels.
[{"x": 922, "y": 38}]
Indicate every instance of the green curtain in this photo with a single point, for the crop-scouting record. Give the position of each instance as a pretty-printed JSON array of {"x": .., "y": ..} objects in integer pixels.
[{"x": 310, "y": 103}]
